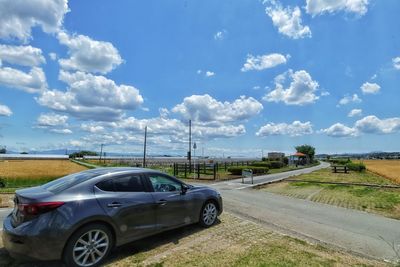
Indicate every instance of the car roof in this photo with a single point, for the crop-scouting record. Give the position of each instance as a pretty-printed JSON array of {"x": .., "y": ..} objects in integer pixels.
[{"x": 114, "y": 170}]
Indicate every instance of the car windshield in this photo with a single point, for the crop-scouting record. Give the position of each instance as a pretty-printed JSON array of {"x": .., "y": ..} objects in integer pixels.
[{"x": 68, "y": 181}]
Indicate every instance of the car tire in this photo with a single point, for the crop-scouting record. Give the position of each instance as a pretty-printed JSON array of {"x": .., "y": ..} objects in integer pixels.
[
  {"x": 89, "y": 246},
  {"x": 208, "y": 214}
]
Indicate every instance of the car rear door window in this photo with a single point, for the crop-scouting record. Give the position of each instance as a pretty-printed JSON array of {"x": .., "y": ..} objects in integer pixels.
[{"x": 132, "y": 183}]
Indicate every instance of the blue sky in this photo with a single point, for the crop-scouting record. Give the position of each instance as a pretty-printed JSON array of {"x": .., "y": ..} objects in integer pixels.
[{"x": 251, "y": 75}]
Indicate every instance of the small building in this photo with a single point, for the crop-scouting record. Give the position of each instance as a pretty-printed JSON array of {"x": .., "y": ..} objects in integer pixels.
[
  {"x": 299, "y": 158},
  {"x": 276, "y": 155}
]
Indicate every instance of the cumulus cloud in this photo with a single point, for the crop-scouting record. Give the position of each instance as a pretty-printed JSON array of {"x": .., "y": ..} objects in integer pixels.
[
  {"x": 301, "y": 90},
  {"x": 355, "y": 113},
  {"x": 5, "y": 111},
  {"x": 396, "y": 63},
  {"x": 372, "y": 124},
  {"x": 32, "y": 82},
  {"x": 52, "y": 119},
  {"x": 18, "y": 17},
  {"x": 61, "y": 131},
  {"x": 209, "y": 73},
  {"x": 318, "y": 7},
  {"x": 220, "y": 35},
  {"x": 21, "y": 55},
  {"x": 367, "y": 125},
  {"x": 92, "y": 127},
  {"x": 264, "y": 61},
  {"x": 53, "y": 56},
  {"x": 287, "y": 20},
  {"x": 204, "y": 108},
  {"x": 370, "y": 88},
  {"x": 88, "y": 55},
  {"x": 339, "y": 130},
  {"x": 347, "y": 99},
  {"x": 296, "y": 128},
  {"x": 108, "y": 104}
]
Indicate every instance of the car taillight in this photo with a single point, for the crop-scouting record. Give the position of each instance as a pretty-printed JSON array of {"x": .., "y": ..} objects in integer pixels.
[{"x": 38, "y": 208}]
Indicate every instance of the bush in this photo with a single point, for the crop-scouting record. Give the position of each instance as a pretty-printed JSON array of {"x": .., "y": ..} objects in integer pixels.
[
  {"x": 276, "y": 164},
  {"x": 265, "y": 164},
  {"x": 256, "y": 170},
  {"x": 286, "y": 161},
  {"x": 358, "y": 167}
]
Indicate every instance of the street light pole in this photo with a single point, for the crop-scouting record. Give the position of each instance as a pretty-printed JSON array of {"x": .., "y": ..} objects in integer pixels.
[
  {"x": 144, "y": 147},
  {"x": 101, "y": 151},
  {"x": 190, "y": 146}
]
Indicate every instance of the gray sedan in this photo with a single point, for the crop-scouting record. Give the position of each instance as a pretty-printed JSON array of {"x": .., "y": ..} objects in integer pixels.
[{"x": 80, "y": 217}]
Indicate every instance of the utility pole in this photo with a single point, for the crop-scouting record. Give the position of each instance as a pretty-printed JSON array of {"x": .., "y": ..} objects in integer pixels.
[
  {"x": 190, "y": 146},
  {"x": 144, "y": 147},
  {"x": 101, "y": 151}
]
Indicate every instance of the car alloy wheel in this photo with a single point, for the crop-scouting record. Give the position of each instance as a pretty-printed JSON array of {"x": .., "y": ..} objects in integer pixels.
[
  {"x": 90, "y": 248},
  {"x": 209, "y": 214}
]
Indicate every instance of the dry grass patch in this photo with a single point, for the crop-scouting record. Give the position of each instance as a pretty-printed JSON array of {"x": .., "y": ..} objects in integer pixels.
[
  {"x": 386, "y": 168},
  {"x": 38, "y": 168}
]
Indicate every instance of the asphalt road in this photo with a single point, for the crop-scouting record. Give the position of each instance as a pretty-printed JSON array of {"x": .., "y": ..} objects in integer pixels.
[
  {"x": 360, "y": 232},
  {"x": 3, "y": 214}
]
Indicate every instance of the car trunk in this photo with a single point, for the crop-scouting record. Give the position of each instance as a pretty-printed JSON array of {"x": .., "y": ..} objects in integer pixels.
[{"x": 30, "y": 203}]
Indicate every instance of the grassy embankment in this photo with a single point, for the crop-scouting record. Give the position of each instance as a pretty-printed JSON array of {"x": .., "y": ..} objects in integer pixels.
[{"x": 384, "y": 201}]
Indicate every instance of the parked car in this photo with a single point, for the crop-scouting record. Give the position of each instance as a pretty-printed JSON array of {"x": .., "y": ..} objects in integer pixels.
[{"x": 79, "y": 218}]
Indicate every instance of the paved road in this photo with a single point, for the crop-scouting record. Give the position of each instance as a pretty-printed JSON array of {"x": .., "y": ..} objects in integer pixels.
[
  {"x": 3, "y": 213},
  {"x": 360, "y": 232}
]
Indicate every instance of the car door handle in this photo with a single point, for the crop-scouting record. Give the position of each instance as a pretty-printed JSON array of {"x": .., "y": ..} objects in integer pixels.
[
  {"x": 162, "y": 202},
  {"x": 114, "y": 205}
]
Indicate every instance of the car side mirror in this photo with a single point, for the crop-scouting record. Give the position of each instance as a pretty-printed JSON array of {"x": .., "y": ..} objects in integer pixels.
[{"x": 184, "y": 189}]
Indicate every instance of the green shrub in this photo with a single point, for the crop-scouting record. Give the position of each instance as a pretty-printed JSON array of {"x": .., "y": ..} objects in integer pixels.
[
  {"x": 256, "y": 170},
  {"x": 265, "y": 164},
  {"x": 276, "y": 164},
  {"x": 286, "y": 161},
  {"x": 358, "y": 167}
]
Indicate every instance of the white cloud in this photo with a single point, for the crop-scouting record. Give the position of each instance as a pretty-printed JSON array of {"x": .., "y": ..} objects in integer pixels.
[
  {"x": 219, "y": 36},
  {"x": 18, "y": 17},
  {"x": 61, "y": 131},
  {"x": 370, "y": 88},
  {"x": 264, "y": 61},
  {"x": 5, "y": 111},
  {"x": 52, "y": 119},
  {"x": 89, "y": 55},
  {"x": 349, "y": 99},
  {"x": 32, "y": 82},
  {"x": 339, "y": 130},
  {"x": 367, "y": 125},
  {"x": 92, "y": 127},
  {"x": 318, "y": 7},
  {"x": 301, "y": 90},
  {"x": 209, "y": 73},
  {"x": 21, "y": 55},
  {"x": 355, "y": 113},
  {"x": 396, "y": 63},
  {"x": 204, "y": 108},
  {"x": 91, "y": 97},
  {"x": 372, "y": 124},
  {"x": 297, "y": 128},
  {"x": 287, "y": 20},
  {"x": 53, "y": 56}
]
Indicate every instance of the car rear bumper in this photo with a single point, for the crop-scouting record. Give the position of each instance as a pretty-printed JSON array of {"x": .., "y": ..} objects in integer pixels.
[{"x": 20, "y": 241}]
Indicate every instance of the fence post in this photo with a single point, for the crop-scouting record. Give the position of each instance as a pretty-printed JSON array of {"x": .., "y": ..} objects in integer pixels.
[
  {"x": 185, "y": 170},
  {"x": 198, "y": 171},
  {"x": 225, "y": 165},
  {"x": 215, "y": 171},
  {"x": 174, "y": 170}
]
